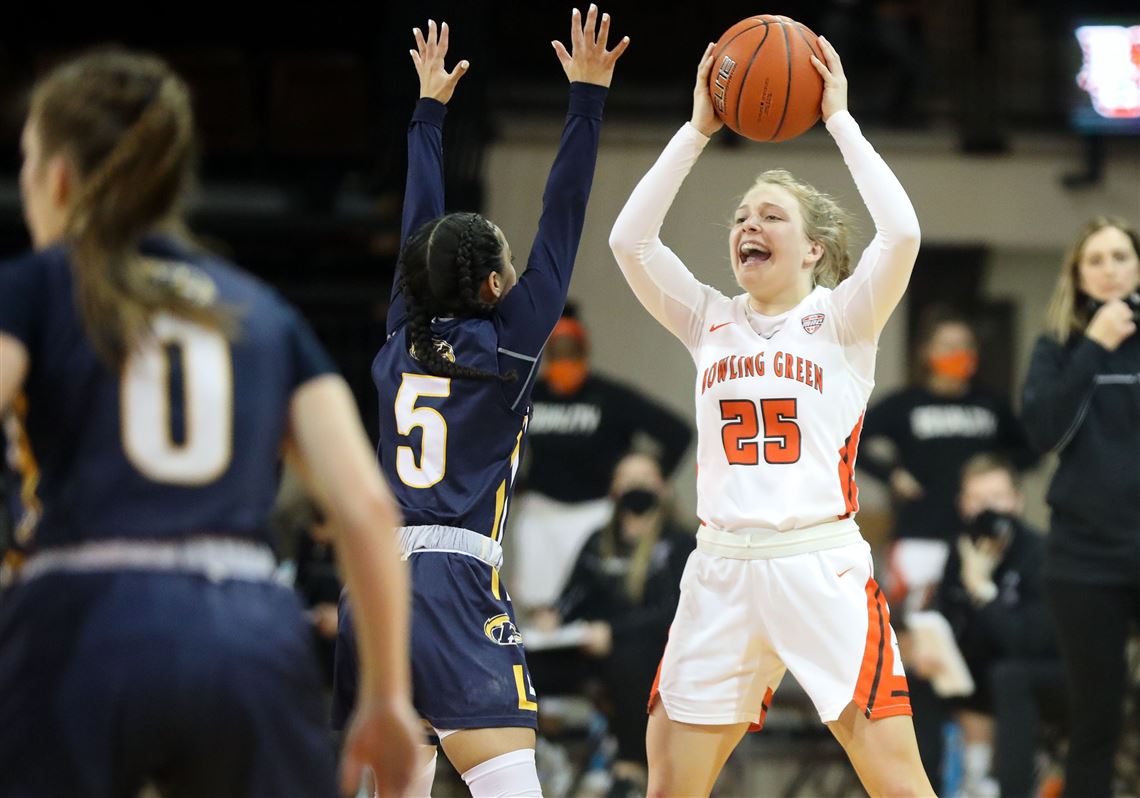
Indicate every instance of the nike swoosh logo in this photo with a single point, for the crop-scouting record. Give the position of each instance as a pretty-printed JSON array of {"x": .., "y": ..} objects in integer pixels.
[
  {"x": 716, "y": 327},
  {"x": 841, "y": 573}
]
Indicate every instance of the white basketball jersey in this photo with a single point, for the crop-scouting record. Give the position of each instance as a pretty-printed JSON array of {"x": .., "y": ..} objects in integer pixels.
[
  {"x": 779, "y": 400},
  {"x": 778, "y": 415}
]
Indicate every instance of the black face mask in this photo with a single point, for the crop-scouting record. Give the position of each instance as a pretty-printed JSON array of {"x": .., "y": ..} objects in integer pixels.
[
  {"x": 638, "y": 501},
  {"x": 990, "y": 524}
]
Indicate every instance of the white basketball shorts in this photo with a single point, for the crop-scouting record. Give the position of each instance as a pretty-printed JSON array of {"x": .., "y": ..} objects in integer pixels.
[{"x": 741, "y": 623}]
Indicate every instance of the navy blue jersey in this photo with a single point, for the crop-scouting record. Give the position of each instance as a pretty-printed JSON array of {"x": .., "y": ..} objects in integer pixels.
[
  {"x": 187, "y": 438},
  {"x": 450, "y": 447}
]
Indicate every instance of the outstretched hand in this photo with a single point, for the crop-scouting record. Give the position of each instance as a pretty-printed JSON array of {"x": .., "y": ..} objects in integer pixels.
[
  {"x": 834, "y": 81},
  {"x": 589, "y": 61},
  {"x": 435, "y": 81}
]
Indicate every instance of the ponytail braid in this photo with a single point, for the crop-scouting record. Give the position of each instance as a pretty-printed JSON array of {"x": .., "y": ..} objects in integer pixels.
[{"x": 442, "y": 265}]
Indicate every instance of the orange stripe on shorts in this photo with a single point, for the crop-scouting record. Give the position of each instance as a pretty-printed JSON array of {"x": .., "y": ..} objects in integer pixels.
[{"x": 879, "y": 693}]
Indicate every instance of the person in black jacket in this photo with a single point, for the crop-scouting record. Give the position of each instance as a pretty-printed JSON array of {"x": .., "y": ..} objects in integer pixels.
[
  {"x": 992, "y": 593},
  {"x": 626, "y": 584},
  {"x": 1082, "y": 400},
  {"x": 583, "y": 423},
  {"x": 935, "y": 426}
]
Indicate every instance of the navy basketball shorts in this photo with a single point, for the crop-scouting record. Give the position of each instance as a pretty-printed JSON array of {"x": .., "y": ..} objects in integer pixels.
[
  {"x": 468, "y": 664},
  {"x": 109, "y": 681}
]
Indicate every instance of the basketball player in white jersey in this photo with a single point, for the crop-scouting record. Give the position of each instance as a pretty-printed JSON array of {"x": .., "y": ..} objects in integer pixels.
[{"x": 781, "y": 578}]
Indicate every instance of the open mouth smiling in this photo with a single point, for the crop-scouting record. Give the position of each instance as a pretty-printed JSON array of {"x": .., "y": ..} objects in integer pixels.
[{"x": 753, "y": 255}]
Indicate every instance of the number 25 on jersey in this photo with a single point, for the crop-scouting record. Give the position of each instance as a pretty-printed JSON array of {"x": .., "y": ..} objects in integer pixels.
[{"x": 739, "y": 435}]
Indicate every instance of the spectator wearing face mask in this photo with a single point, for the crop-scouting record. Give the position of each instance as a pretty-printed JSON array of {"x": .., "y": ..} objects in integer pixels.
[
  {"x": 625, "y": 584},
  {"x": 934, "y": 427},
  {"x": 582, "y": 425},
  {"x": 993, "y": 595}
]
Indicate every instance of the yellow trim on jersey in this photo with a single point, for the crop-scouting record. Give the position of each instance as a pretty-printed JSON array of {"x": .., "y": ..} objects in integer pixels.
[
  {"x": 26, "y": 466},
  {"x": 524, "y": 702},
  {"x": 500, "y": 501},
  {"x": 495, "y": 583}
]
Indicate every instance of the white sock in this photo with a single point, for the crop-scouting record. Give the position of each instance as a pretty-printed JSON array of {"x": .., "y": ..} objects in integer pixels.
[
  {"x": 510, "y": 775},
  {"x": 976, "y": 760}
]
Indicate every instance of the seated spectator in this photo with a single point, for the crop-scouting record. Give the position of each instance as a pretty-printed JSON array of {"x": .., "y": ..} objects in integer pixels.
[
  {"x": 582, "y": 425},
  {"x": 992, "y": 594},
  {"x": 934, "y": 427},
  {"x": 625, "y": 585}
]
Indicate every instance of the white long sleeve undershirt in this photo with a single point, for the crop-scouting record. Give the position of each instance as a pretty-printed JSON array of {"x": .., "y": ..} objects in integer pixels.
[{"x": 673, "y": 296}]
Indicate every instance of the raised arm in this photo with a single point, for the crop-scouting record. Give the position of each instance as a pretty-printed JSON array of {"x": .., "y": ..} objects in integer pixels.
[
  {"x": 660, "y": 281},
  {"x": 867, "y": 298},
  {"x": 423, "y": 193},
  {"x": 529, "y": 312}
]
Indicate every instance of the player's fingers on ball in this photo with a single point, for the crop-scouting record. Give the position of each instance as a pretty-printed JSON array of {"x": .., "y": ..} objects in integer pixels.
[
  {"x": 832, "y": 55},
  {"x": 820, "y": 68},
  {"x": 707, "y": 59}
]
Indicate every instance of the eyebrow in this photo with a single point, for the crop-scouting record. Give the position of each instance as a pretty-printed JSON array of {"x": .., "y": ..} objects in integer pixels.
[{"x": 745, "y": 208}]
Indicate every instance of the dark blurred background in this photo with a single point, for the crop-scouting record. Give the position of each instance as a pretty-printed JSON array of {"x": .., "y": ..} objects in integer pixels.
[{"x": 302, "y": 114}]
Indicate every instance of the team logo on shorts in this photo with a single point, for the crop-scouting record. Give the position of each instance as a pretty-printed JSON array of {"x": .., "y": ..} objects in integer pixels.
[
  {"x": 812, "y": 322},
  {"x": 502, "y": 630},
  {"x": 441, "y": 346}
]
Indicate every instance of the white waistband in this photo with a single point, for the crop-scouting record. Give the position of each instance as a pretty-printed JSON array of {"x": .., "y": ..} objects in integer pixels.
[
  {"x": 450, "y": 539},
  {"x": 215, "y": 558},
  {"x": 767, "y": 544}
]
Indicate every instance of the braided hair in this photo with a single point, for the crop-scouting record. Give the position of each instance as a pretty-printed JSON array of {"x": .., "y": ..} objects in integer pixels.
[{"x": 443, "y": 265}]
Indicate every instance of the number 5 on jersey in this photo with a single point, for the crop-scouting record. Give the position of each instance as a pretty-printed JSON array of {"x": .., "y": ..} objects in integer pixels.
[
  {"x": 432, "y": 462},
  {"x": 781, "y": 432}
]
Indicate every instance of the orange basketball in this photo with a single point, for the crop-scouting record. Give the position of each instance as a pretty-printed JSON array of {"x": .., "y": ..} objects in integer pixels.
[{"x": 762, "y": 83}]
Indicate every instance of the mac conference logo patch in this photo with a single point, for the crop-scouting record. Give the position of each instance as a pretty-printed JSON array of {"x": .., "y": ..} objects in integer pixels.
[
  {"x": 502, "y": 630},
  {"x": 812, "y": 322}
]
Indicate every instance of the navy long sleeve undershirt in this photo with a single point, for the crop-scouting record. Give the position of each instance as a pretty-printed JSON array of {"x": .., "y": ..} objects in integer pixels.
[{"x": 527, "y": 314}]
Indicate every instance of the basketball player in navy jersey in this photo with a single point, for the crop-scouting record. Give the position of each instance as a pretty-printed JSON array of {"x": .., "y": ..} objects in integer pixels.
[
  {"x": 146, "y": 641},
  {"x": 454, "y": 381}
]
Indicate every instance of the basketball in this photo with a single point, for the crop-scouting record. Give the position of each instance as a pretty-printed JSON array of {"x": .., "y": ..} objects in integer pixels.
[{"x": 762, "y": 82}]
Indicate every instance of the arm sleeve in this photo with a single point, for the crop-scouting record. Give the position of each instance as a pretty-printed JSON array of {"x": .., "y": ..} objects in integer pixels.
[
  {"x": 423, "y": 193},
  {"x": 878, "y": 423},
  {"x": 22, "y": 299},
  {"x": 866, "y": 299},
  {"x": 1013, "y": 440},
  {"x": 660, "y": 281},
  {"x": 1058, "y": 389},
  {"x": 525, "y": 317},
  {"x": 528, "y": 313}
]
